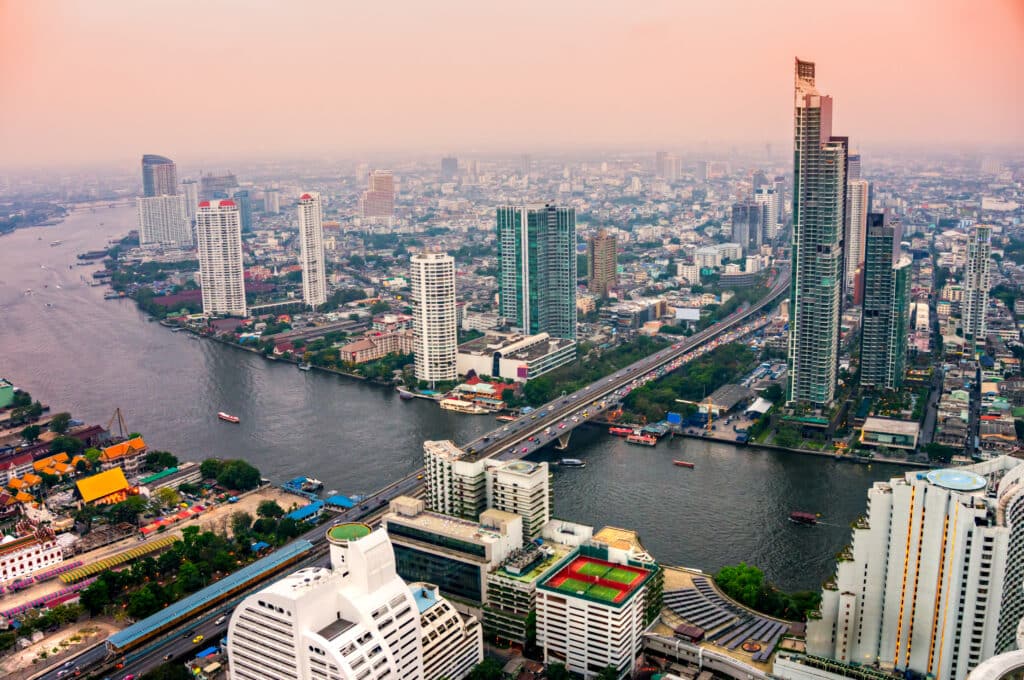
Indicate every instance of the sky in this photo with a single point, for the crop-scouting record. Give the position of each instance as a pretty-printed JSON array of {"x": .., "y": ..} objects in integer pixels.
[{"x": 91, "y": 81}]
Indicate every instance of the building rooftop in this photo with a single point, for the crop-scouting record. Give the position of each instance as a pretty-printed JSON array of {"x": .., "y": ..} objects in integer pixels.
[
  {"x": 595, "y": 579},
  {"x": 425, "y": 597},
  {"x": 445, "y": 525},
  {"x": 515, "y": 346},
  {"x": 349, "y": 531},
  {"x": 444, "y": 449},
  {"x": 956, "y": 479},
  {"x": 892, "y": 426},
  {"x": 102, "y": 485},
  {"x": 727, "y": 396}
]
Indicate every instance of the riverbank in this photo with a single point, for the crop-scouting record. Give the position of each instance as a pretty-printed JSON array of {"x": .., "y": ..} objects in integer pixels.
[{"x": 858, "y": 460}]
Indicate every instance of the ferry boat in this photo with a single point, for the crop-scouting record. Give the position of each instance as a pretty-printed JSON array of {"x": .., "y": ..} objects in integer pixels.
[
  {"x": 305, "y": 366},
  {"x": 620, "y": 431},
  {"x": 460, "y": 406},
  {"x": 803, "y": 518},
  {"x": 228, "y": 417},
  {"x": 572, "y": 462},
  {"x": 683, "y": 463},
  {"x": 642, "y": 439},
  {"x": 54, "y": 244},
  {"x": 505, "y": 418},
  {"x": 312, "y": 484}
]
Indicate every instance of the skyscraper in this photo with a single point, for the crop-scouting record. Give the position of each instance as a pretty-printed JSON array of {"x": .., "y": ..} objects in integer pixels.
[
  {"x": 819, "y": 219},
  {"x": 311, "y": 250},
  {"x": 356, "y": 620},
  {"x": 856, "y": 229},
  {"x": 219, "y": 232},
  {"x": 434, "y": 325},
  {"x": 537, "y": 268},
  {"x": 883, "y": 345},
  {"x": 190, "y": 188},
  {"x": 931, "y": 583},
  {"x": 159, "y": 176},
  {"x": 163, "y": 221},
  {"x": 244, "y": 202},
  {"x": 976, "y": 284},
  {"x": 602, "y": 264},
  {"x": 449, "y": 168},
  {"x": 378, "y": 201},
  {"x": 853, "y": 167},
  {"x": 216, "y": 187},
  {"x": 272, "y": 201},
  {"x": 747, "y": 225},
  {"x": 768, "y": 198}
]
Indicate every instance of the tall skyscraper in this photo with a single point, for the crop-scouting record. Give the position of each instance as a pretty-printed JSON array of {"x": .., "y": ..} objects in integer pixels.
[
  {"x": 190, "y": 189},
  {"x": 244, "y": 202},
  {"x": 219, "y": 232},
  {"x": 768, "y": 198},
  {"x": 976, "y": 284},
  {"x": 159, "y": 176},
  {"x": 932, "y": 581},
  {"x": 883, "y": 346},
  {"x": 272, "y": 201},
  {"x": 434, "y": 323},
  {"x": 311, "y": 250},
  {"x": 819, "y": 219},
  {"x": 747, "y": 225},
  {"x": 856, "y": 229},
  {"x": 537, "y": 268},
  {"x": 216, "y": 187},
  {"x": 449, "y": 168},
  {"x": 378, "y": 201},
  {"x": 602, "y": 264},
  {"x": 853, "y": 167},
  {"x": 163, "y": 221},
  {"x": 354, "y": 621}
]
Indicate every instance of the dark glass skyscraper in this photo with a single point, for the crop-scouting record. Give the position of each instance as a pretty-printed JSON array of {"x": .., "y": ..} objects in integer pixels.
[
  {"x": 747, "y": 225},
  {"x": 819, "y": 220},
  {"x": 244, "y": 203},
  {"x": 537, "y": 268},
  {"x": 883, "y": 343},
  {"x": 159, "y": 176}
]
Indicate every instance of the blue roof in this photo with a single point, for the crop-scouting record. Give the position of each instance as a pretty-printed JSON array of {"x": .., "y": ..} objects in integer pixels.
[
  {"x": 208, "y": 651},
  {"x": 259, "y": 545},
  {"x": 306, "y": 512},
  {"x": 343, "y": 501},
  {"x": 425, "y": 599},
  {"x": 957, "y": 480},
  {"x": 182, "y": 608}
]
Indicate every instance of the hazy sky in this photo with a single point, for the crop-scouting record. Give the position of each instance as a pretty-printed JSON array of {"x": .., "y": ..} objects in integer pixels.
[{"x": 199, "y": 79}]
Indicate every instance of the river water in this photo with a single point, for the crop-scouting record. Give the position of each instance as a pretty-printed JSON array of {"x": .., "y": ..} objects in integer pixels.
[{"x": 88, "y": 355}]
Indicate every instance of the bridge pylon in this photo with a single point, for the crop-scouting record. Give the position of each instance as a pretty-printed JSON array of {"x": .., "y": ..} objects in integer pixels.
[{"x": 563, "y": 441}]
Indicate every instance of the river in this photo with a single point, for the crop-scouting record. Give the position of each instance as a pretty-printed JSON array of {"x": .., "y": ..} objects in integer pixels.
[{"x": 78, "y": 352}]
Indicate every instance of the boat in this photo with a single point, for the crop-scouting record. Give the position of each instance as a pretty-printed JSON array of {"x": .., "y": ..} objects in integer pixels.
[
  {"x": 798, "y": 517},
  {"x": 572, "y": 462},
  {"x": 228, "y": 417},
  {"x": 642, "y": 439},
  {"x": 312, "y": 484},
  {"x": 54, "y": 244},
  {"x": 305, "y": 366},
  {"x": 683, "y": 463},
  {"x": 460, "y": 406},
  {"x": 620, "y": 431}
]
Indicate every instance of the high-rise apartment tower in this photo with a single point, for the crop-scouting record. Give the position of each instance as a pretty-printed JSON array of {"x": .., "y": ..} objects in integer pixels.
[
  {"x": 434, "y": 324},
  {"x": 219, "y": 233},
  {"x": 311, "y": 250}
]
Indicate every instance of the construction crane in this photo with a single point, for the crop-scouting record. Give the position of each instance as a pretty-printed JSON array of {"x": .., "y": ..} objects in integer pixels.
[
  {"x": 708, "y": 406},
  {"x": 121, "y": 426}
]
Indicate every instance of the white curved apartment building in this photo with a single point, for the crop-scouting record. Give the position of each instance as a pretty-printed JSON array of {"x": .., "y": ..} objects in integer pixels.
[
  {"x": 219, "y": 233},
  {"x": 311, "y": 249},
  {"x": 434, "y": 323}
]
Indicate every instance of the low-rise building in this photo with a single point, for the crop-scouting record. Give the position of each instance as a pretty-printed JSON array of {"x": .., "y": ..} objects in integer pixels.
[
  {"x": 890, "y": 433},
  {"x": 127, "y": 455},
  {"x": 374, "y": 346},
  {"x": 104, "y": 488},
  {"x": 514, "y": 356},
  {"x": 28, "y": 554}
]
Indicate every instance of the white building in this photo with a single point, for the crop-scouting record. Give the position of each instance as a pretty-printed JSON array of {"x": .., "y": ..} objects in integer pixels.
[
  {"x": 856, "y": 228},
  {"x": 272, "y": 201},
  {"x": 514, "y": 356},
  {"x": 591, "y": 611},
  {"x": 768, "y": 198},
  {"x": 690, "y": 272},
  {"x": 29, "y": 554},
  {"x": 311, "y": 250},
  {"x": 976, "y": 283},
  {"x": 932, "y": 582},
  {"x": 355, "y": 621},
  {"x": 164, "y": 221},
  {"x": 462, "y": 485},
  {"x": 435, "y": 327},
  {"x": 219, "y": 232},
  {"x": 190, "y": 190}
]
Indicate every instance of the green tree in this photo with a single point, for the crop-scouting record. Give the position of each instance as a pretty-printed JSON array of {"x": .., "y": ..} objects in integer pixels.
[
  {"x": 31, "y": 433},
  {"x": 539, "y": 390},
  {"x": 96, "y": 597},
  {"x": 211, "y": 467},
  {"x": 238, "y": 474},
  {"x": 160, "y": 460},
  {"x": 379, "y": 307},
  {"x": 241, "y": 523},
  {"x": 128, "y": 510},
  {"x": 167, "y": 497},
  {"x": 788, "y": 436},
  {"x": 190, "y": 578},
  {"x": 557, "y": 671},
  {"x": 60, "y": 422},
  {"x": 142, "y": 603},
  {"x": 269, "y": 508},
  {"x": 65, "y": 444},
  {"x": 488, "y": 669},
  {"x": 287, "y": 529},
  {"x": 741, "y": 582},
  {"x": 608, "y": 673},
  {"x": 92, "y": 455}
]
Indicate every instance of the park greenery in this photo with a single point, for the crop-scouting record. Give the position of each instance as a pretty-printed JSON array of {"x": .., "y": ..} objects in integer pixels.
[
  {"x": 236, "y": 475},
  {"x": 41, "y": 620},
  {"x": 747, "y": 585}
]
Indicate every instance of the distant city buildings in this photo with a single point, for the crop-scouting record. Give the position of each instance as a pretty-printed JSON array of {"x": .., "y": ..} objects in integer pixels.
[
  {"x": 272, "y": 201},
  {"x": 768, "y": 198},
  {"x": 435, "y": 325},
  {"x": 932, "y": 582},
  {"x": 537, "y": 268},
  {"x": 311, "y": 250},
  {"x": 244, "y": 202},
  {"x": 886, "y": 307},
  {"x": 357, "y": 620},
  {"x": 819, "y": 181},
  {"x": 747, "y": 225},
  {"x": 163, "y": 220},
  {"x": 668, "y": 167},
  {"x": 219, "y": 234},
  {"x": 215, "y": 187},
  {"x": 449, "y": 169},
  {"x": 378, "y": 201},
  {"x": 602, "y": 263},
  {"x": 856, "y": 230},
  {"x": 159, "y": 176},
  {"x": 190, "y": 189},
  {"x": 976, "y": 285}
]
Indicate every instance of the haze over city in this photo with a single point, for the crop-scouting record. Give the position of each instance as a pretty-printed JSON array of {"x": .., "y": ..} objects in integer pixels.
[{"x": 206, "y": 81}]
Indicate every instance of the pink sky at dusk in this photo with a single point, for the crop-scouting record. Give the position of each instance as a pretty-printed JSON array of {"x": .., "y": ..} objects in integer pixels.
[{"x": 107, "y": 80}]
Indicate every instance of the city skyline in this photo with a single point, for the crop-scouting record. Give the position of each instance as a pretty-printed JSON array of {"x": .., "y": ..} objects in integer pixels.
[{"x": 108, "y": 84}]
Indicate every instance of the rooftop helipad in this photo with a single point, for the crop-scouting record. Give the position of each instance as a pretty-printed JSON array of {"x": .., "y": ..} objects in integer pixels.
[{"x": 956, "y": 480}]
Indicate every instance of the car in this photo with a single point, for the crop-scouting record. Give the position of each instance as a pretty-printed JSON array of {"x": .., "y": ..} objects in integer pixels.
[
  {"x": 197, "y": 639},
  {"x": 561, "y": 426},
  {"x": 525, "y": 449},
  {"x": 420, "y": 476},
  {"x": 130, "y": 676},
  {"x": 167, "y": 657},
  {"x": 220, "y": 619},
  {"x": 61, "y": 673},
  {"x": 187, "y": 634}
]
